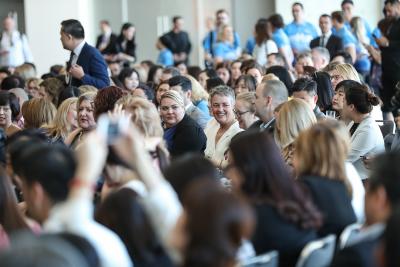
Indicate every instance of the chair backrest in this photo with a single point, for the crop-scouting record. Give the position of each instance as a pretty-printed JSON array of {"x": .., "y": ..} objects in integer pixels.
[
  {"x": 348, "y": 234},
  {"x": 318, "y": 253},
  {"x": 386, "y": 126},
  {"x": 269, "y": 259}
]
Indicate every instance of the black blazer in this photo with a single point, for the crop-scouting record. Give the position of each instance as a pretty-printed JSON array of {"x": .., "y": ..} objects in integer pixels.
[
  {"x": 94, "y": 66},
  {"x": 332, "y": 199},
  {"x": 188, "y": 137},
  {"x": 111, "y": 47},
  {"x": 274, "y": 232},
  {"x": 361, "y": 254},
  {"x": 334, "y": 44}
]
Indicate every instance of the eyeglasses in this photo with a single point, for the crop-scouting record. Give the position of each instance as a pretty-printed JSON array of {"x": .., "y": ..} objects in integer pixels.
[
  {"x": 240, "y": 113},
  {"x": 336, "y": 77}
]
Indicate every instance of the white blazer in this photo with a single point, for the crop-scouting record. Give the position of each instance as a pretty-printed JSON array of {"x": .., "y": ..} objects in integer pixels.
[
  {"x": 367, "y": 140},
  {"x": 216, "y": 151}
]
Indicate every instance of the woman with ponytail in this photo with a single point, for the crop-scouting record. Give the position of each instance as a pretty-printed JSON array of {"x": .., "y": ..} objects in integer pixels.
[{"x": 366, "y": 137}]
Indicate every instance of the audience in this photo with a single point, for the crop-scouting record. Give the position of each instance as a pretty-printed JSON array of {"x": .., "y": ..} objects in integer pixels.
[{"x": 210, "y": 134}]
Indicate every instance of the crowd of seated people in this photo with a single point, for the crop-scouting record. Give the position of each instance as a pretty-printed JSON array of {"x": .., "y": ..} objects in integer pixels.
[{"x": 265, "y": 149}]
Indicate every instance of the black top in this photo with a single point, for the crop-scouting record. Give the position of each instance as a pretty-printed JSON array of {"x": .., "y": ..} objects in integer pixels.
[
  {"x": 332, "y": 199},
  {"x": 353, "y": 128},
  {"x": 361, "y": 254},
  {"x": 130, "y": 47},
  {"x": 188, "y": 137},
  {"x": 111, "y": 48},
  {"x": 178, "y": 42},
  {"x": 274, "y": 232}
]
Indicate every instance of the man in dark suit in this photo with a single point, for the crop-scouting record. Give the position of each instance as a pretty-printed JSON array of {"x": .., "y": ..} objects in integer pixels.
[
  {"x": 107, "y": 40},
  {"x": 86, "y": 65},
  {"x": 382, "y": 195},
  {"x": 331, "y": 42}
]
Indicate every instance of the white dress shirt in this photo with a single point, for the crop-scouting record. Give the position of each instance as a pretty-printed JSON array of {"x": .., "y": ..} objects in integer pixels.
[
  {"x": 76, "y": 216},
  {"x": 14, "y": 49}
]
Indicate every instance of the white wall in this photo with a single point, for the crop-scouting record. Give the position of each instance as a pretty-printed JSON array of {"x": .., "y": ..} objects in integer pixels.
[
  {"x": 371, "y": 10},
  {"x": 43, "y": 28}
]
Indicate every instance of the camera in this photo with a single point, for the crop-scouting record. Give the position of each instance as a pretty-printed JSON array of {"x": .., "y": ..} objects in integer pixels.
[{"x": 111, "y": 128}]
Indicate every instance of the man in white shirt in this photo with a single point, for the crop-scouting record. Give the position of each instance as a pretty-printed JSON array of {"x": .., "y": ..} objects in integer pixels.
[{"x": 14, "y": 48}]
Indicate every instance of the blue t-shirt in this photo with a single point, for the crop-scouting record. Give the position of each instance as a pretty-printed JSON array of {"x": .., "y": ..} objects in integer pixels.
[
  {"x": 203, "y": 106},
  {"x": 300, "y": 35},
  {"x": 377, "y": 33},
  {"x": 165, "y": 58},
  {"x": 250, "y": 44},
  {"x": 282, "y": 42},
  {"x": 225, "y": 50},
  {"x": 348, "y": 38},
  {"x": 213, "y": 34}
]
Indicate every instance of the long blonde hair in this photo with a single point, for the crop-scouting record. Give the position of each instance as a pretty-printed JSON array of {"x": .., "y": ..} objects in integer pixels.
[
  {"x": 358, "y": 28},
  {"x": 347, "y": 71},
  {"x": 294, "y": 117},
  {"x": 198, "y": 92},
  {"x": 60, "y": 127},
  {"x": 321, "y": 151}
]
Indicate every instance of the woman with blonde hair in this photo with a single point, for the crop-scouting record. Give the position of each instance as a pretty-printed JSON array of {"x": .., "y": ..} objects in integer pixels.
[
  {"x": 65, "y": 120},
  {"x": 85, "y": 116},
  {"x": 199, "y": 95},
  {"x": 245, "y": 110},
  {"x": 145, "y": 117},
  {"x": 325, "y": 176},
  {"x": 38, "y": 112},
  {"x": 294, "y": 117},
  {"x": 362, "y": 63},
  {"x": 32, "y": 87},
  {"x": 341, "y": 72},
  {"x": 224, "y": 49}
]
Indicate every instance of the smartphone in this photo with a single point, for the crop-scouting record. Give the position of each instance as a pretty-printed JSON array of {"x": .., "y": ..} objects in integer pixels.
[{"x": 111, "y": 128}]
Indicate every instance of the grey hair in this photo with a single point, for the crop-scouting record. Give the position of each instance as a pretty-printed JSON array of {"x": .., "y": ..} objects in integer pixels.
[
  {"x": 223, "y": 90},
  {"x": 323, "y": 52}
]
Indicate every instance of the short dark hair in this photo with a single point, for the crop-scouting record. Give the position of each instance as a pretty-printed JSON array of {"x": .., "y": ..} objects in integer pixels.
[
  {"x": 214, "y": 82},
  {"x": 347, "y": 2},
  {"x": 346, "y": 56},
  {"x": 9, "y": 99},
  {"x": 148, "y": 91},
  {"x": 104, "y": 21},
  {"x": 386, "y": 172},
  {"x": 392, "y": 2},
  {"x": 74, "y": 28},
  {"x": 325, "y": 16},
  {"x": 298, "y": 4},
  {"x": 338, "y": 15},
  {"x": 305, "y": 84},
  {"x": 174, "y": 19},
  {"x": 52, "y": 166},
  {"x": 187, "y": 169},
  {"x": 181, "y": 81},
  {"x": 276, "y": 21},
  {"x": 219, "y": 11},
  {"x": 12, "y": 81},
  {"x": 171, "y": 70}
]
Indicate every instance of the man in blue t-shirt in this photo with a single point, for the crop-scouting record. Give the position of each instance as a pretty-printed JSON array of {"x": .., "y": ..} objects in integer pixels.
[
  {"x": 348, "y": 39},
  {"x": 347, "y": 8},
  {"x": 300, "y": 32}
]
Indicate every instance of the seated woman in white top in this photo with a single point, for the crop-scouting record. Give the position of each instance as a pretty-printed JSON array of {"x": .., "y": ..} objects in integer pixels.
[
  {"x": 366, "y": 137},
  {"x": 223, "y": 127},
  {"x": 264, "y": 44}
]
